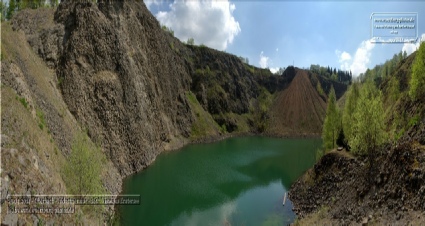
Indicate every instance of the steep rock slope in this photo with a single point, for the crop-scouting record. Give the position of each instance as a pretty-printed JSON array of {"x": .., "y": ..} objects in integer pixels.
[
  {"x": 299, "y": 109},
  {"x": 136, "y": 88},
  {"x": 37, "y": 131},
  {"x": 229, "y": 89},
  {"x": 124, "y": 83}
]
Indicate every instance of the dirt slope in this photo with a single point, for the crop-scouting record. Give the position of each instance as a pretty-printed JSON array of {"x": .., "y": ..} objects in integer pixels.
[
  {"x": 297, "y": 110},
  {"x": 346, "y": 190}
]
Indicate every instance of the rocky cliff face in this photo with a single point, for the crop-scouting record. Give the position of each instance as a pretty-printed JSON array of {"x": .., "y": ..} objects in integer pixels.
[
  {"x": 128, "y": 82},
  {"x": 119, "y": 77},
  {"x": 122, "y": 80}
]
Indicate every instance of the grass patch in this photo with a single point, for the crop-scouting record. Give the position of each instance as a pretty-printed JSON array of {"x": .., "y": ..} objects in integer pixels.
[
  {"x": 192, "y": 98},
  {"x": 319, "y": 154},
  {"x": 204, "y": 125},
  {"x": 320, "y": 89},
  {"x": 413, "y": 121},
  {"x": 223, "y": 128},
  {"x": 249, "y": 68},
  {"x": 60, "y": 81},
  {"x": 240, "y": 123},
  {"x": 41, "y": 120},
  {"x": 23, "y": 101},
  {"x": 259, "y": 110},
  {"x": 2, "y": 56}
]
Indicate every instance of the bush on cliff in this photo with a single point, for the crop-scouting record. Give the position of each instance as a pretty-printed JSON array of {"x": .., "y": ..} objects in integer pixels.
[{"x": 82, "y": 173}]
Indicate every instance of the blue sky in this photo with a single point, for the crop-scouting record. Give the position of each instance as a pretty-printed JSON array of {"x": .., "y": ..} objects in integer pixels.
[{"x": 276, "y": 34}]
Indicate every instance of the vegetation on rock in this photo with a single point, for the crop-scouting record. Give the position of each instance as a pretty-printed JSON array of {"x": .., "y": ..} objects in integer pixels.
[
  {"x": 417, "y": 82},
  {"x": 332, "y": 124},
  {"x": 83, "y": 169},
  {"x": 381, "y": 178},
  {"x": 367, "y": 130}
]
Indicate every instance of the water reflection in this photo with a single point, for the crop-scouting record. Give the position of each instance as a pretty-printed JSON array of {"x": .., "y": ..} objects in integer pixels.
[{"x": 233, "y": 181}]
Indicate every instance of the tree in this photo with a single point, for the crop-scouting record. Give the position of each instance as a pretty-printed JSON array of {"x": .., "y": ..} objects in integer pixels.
[
  {"x": 320, "y": 89},
  {"x": 400, "y": 56},
  {"x": 11, "y": 9},
  {"x": 332, "y": 122},
  {"x": 83, "y": 169},
  {"x": 280, "y": 71},
  {"x": 417, "y": 82},
  {"x": 167, "y": 29},
  {"x": 367, "y": 131},
  {"x": 191, "y": 41},
  {"x": 349, "y": 108},
  {"x": 341, "y": 141},
  {"x": 3, "y": 11}
]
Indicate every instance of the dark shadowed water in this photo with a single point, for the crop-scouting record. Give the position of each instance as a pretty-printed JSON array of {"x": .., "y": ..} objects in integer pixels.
[{"x": 237, "y": 181}]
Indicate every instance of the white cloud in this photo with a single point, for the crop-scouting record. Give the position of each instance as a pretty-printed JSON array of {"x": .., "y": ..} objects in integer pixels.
[
  {"x": 345, "y": 56},
  {"x": 264, "y": 60},
  {"x": 208, "y": 22},
  {"x": 274, "y": 69},
  {"x": 412, "y": 47},
  {"x": 358, "y": 63},
  {"x": 149, "y": 3},
  {"x": 344, "y": 59},
  {"x": 215, "y": 215}
]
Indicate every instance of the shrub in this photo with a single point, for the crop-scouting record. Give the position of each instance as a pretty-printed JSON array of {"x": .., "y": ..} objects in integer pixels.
[
  {"x": 190, "y": 41},
  {"x": 349, "y": 108},
  {"x": 83, "y": 169},
  {"x": 167, "y": 29},
  {"x": 332, "y": 123},
  {"x": 417, "y": 82},
  {"x": 42, "y": 122},
  {"x": 368, "y": 128},
  {"x": 319, "y": 89},
  {"x": 23, "y": 101}
]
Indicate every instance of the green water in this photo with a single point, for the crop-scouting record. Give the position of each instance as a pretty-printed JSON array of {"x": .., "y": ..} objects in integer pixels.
[{"x": 237, "y": 181}]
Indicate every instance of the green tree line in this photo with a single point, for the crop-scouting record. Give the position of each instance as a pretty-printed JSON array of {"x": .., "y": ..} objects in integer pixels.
[
  {"x": 417, "y": 83},
  {"x": 333, "y": 74},
  {"x": 8, "y": 10},
  {"x": 381, "y": 71},
  {"x": 360, "y": 126}
]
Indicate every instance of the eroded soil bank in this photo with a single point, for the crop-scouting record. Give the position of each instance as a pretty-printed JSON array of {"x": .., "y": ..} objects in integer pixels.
[{"x": 343, "y": 189}]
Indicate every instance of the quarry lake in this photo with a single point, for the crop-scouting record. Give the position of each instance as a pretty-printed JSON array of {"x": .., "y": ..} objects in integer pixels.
[{"x": 237, "y": 181}]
